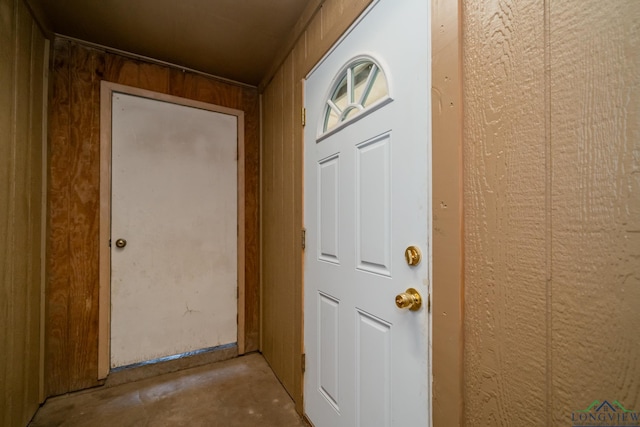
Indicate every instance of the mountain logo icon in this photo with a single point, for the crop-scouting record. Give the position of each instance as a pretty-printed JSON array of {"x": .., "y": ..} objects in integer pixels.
[{"x": 605, "y": 414}]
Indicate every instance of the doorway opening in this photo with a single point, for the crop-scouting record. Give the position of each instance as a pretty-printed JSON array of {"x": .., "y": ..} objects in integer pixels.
[
  {"x": 367, "y": 215},
  {"x": 171, "y": 248}
]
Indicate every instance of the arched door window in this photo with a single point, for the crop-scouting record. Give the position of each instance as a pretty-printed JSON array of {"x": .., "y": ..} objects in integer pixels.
[{"x": 360, "y": 86}]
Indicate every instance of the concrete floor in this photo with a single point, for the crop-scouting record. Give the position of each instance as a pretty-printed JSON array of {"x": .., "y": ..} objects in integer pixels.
[{"x": 237, "y": 392}]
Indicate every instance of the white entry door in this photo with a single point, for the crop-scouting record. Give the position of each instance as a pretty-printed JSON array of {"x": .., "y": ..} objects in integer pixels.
[
  {"x": 367, "y": 199},
  {"x": 173, "y": 229}
]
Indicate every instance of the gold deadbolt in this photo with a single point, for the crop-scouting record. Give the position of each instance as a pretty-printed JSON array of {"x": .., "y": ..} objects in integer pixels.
[
  {"x": 121, "y": 243},
  {"x": 412, "y": 255},
  {"x": 410, "y": 299}
]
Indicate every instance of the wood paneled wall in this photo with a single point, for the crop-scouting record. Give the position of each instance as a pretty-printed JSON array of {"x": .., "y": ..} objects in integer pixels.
[
  {"x": 22, "y": 94},
  {"x": 552, "y": 201},
  {"x": 71, "y": 348},
  {"x": 281, "y": 216}
]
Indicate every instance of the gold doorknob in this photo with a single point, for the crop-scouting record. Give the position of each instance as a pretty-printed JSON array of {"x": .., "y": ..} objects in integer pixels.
[
  {"x": 410, "y": 299},
  {"x": 412, "y": 255},
  {"x": 121, "y": 243}
]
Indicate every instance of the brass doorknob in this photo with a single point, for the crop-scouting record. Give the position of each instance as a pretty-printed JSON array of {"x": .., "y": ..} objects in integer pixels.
[
  {"x": 410, "y": 299},
  {"x": 412, "y": 255},
  {"x": 121, "y": 243}
]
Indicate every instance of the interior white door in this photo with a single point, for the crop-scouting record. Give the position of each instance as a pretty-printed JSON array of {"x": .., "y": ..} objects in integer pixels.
[
  {"x": 367, "y": 198},
  {"x": 174, "y": 202}
]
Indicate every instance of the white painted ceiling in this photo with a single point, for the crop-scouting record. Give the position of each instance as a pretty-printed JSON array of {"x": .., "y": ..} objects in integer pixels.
[{"x": 234, "y": 39}]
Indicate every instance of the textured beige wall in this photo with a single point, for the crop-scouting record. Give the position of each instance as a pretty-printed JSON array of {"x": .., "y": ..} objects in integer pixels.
[
  {"x": 22, "y": 50},
  {"x": 552, "y": 208}
]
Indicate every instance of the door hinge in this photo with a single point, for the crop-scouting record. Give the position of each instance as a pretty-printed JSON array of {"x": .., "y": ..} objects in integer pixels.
[
  {"x": 304, "y": 238},
  {"x": 304, "y": 362},
  {"x": 429, "y": 302},
  {"x": 109, "y": 242},
  {"x": 304, "y": 116}
]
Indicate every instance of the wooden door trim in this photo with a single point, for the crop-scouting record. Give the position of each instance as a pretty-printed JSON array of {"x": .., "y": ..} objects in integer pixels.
[
  {"x": 448, "y": 226},
  {"x": 104, "y": 317}
]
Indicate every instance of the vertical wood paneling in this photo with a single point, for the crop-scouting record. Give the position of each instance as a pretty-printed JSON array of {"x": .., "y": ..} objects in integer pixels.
[
  {"x": 279, "y": 195},
  {"x": 21, "y": 85},
  {"x": 7, "y": 43},
  {"x": 313, "y": 39},
  {"x": 8, "y": 168},
  {"x": 84, "y": 200},
  {"x": 331, "y": 13},
  {"x": 250, "y": 106},
  {"x": 58, "y": 209},
  {"x": 269, "y": 210},
  {"x": 334, "y": 13},
  {"x": 37, "y": 95},
  {"x": 276, "y": 324},
  {"x": 282, "y": 192},
  {"x": 153, "y": 77},
  {"x": 121, "y": 70},
  {"x": 73, "y": 207},
  {"x": 289, "y": 234},
  {"x": 552, "y": 279},
  {"x": 282, "y": 347},
  {"x": 72, "y": 300},
  {"x": 21, "y": 223},
  {"x": 595, "y": 195}
]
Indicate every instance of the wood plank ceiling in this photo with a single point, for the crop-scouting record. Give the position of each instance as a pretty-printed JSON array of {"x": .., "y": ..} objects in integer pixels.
[{"x": 233, "y": 39}]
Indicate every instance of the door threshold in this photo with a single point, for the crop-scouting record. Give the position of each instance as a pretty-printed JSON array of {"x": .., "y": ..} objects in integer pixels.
[{"x": 168, "y": 364}]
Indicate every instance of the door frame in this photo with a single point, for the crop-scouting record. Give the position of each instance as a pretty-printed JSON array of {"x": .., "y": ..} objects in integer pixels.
[
  {"x": 447, "y": 304},
  {"x": 447, "y": 287},
  {"x": 104, "y": 316}
]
